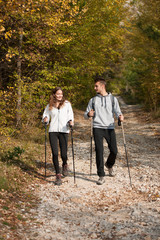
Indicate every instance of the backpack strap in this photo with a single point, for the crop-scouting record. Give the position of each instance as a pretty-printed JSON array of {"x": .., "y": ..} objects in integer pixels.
[
  {"x": 112, "y": 101},
  {"x": 93, "y": 103}
]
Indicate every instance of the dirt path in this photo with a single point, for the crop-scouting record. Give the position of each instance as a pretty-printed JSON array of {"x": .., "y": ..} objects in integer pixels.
[{"x": 112, "y": 211}]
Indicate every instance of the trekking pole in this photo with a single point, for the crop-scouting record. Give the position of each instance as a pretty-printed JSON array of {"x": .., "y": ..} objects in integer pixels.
[
  {"x": 91, "y": 146},
  {"x": 45, "y": 124},
  {"x": 121, "y": 124},
  {"x": 73, "y": 154}
]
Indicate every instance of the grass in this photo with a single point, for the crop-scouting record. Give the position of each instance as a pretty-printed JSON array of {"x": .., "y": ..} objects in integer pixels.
[
  {"x": 6, "y": 223},
  {"x": 19, "y": 155},
  {"x": 18, "y": 162},
  {"x": 4, "y": 184}
]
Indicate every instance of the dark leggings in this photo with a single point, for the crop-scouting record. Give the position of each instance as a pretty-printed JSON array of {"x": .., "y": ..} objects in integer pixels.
[
  {"x": 110, "y": 137},
  {"x": 63, "y": 143}
]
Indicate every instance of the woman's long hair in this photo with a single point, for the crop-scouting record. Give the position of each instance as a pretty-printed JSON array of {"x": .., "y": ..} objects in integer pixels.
[{"x": 53, "y": 100}]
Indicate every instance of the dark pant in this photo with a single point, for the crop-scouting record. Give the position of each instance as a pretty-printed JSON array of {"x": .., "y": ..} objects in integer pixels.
[
  {"x": 109, "y": 135},
  {"x": 63, "y": 143}
]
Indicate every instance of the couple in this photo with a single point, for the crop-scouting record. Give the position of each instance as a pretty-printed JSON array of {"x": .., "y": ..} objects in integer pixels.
[{"x": 101, "y": 108}]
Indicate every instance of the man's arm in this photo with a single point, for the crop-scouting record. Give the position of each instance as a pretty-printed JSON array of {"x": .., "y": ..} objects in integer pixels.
[
  {"x": 89, "y": 110},
  {"x": 117, "y": 110}
]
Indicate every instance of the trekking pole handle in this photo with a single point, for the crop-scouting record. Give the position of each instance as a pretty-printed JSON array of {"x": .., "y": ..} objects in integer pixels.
[
  {"x": 45, "y": 122},
  {"x": 119, "y": 122},
  {"x": 71, "y": 127},
  {"x": 69, "y": 124}
]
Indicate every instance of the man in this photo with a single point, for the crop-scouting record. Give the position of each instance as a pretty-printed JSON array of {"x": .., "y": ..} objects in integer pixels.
[{"x": 102, "y": 108}]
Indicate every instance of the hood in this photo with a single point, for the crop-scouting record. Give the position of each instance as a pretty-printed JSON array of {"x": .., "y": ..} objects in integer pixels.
[{"x": 103, "y": 99}]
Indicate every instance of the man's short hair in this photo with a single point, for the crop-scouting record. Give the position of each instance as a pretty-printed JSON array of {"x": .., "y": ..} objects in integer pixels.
[{"x": 101, "y": 80}]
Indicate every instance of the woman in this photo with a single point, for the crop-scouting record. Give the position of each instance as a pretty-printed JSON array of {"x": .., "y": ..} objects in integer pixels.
[{"x": 60, "y": 115}]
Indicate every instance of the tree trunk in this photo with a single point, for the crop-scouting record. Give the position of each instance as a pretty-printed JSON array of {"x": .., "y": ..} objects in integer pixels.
[{"x": 19, "y": 81}]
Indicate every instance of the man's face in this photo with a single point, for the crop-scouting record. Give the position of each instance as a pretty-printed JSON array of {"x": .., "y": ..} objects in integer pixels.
[{"x": 98, "y": 87}]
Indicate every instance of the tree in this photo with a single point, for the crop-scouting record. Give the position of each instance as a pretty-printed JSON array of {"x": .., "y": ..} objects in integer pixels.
[
  {"x": 29, "y": 31},
  {"x": 47, "y": 43},
  {"x": 142, "y": 66}
]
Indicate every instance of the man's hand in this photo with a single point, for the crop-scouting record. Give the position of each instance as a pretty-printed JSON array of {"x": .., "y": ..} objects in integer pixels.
[
  {"x": 121, "y": 118},
  {"x": 91, "y": 113}
]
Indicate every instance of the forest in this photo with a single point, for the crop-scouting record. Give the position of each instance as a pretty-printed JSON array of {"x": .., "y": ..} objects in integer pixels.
[{"x": 67, "y": 43}]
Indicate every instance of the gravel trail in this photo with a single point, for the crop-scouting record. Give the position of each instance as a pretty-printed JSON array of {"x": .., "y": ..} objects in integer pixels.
[{"x": 84, "y": 210}]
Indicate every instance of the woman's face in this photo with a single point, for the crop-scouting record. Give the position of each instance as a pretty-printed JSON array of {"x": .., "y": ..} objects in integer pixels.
[{"x": 59, "y": 95}]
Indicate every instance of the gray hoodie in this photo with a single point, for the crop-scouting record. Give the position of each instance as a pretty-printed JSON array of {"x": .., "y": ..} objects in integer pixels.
[{"x": 104, "y": 111}]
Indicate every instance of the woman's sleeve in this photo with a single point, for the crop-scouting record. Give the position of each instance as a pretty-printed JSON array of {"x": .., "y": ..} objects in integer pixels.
[
  {"x": 70, "y": 113},
  {"x": 46, "y": 113}
]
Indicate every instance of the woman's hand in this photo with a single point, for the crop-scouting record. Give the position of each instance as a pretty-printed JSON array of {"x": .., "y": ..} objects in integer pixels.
[
  {"x": 71, "y": 124},
  {"x": 45, "y": 119}
]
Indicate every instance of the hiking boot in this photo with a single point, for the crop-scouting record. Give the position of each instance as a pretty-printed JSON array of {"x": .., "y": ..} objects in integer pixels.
[
  {"x": 100, "y": 181},
  {"x": 65, "y": 170},
  {"x": 58, "y": 179},
  {"x": 110, "y": 170}
]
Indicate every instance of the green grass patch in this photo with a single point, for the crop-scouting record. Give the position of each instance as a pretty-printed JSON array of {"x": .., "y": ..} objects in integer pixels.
[
  {"x": 20, "y": 217},
  {"x": 5, "y": 208},
  {"x": 5, "y": 223},
  {"x": 4, "y": 184}
]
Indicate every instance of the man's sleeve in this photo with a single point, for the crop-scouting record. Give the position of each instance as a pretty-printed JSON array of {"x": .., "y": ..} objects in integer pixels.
[
  {"x": 89, "y": 107},
  {"x": 117, "y": 109}
]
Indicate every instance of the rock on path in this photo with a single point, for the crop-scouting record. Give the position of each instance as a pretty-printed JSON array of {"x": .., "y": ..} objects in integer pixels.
[{"x": 114, "y": 210}]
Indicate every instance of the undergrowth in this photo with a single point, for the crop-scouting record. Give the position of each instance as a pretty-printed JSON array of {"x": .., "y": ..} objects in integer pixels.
[
  {"x": 21, "y": 164},
  {"x": 19, "y": 155}
]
